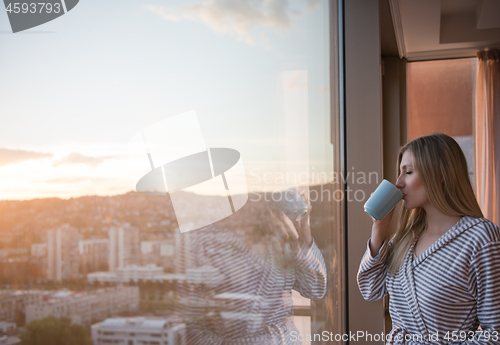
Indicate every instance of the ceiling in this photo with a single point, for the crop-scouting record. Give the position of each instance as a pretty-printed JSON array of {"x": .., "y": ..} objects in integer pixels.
[{"x": 438, "y": 29}]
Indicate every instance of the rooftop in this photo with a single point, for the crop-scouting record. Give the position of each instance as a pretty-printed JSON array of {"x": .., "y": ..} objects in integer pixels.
[{"x": 137, "y": 322}]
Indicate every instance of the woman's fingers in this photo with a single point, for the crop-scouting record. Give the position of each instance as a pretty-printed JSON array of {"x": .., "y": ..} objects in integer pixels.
[
  {"x": 384, "y": 222},
  {"x": 291, "y": 228},
  {"x": 279, "y": 223}
]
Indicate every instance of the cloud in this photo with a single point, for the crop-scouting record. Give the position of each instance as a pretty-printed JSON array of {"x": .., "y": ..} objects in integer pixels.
[
  {"x": 8, "y": 156},
  {"x": 78, "y": 158},
  {"x": 167, "y": 14},
  {"x": 72, "y": 180},
  {"x": 239, "y": 17}
]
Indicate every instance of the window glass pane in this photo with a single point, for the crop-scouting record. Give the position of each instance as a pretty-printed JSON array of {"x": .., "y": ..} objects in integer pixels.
[{"x": 152, "y": 161}]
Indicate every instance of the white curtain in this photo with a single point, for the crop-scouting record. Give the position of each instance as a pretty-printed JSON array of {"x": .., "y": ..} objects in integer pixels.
[{"x": 487, "y": 133}]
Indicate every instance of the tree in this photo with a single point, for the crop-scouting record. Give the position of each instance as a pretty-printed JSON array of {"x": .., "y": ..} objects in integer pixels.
[{"x": 54, "y": 331}]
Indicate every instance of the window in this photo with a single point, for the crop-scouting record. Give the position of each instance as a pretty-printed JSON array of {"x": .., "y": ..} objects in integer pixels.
[
  {"x": 248, "y": 91},
  {"x": 441, "y": 99}
]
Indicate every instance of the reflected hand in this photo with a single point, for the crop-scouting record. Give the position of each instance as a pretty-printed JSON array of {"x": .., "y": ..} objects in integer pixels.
[
  {"x": 304, "y": 225},
  {"x": 296, "y": 232}
]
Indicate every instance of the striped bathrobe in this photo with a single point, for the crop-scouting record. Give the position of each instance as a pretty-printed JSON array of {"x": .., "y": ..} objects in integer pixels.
[
  {"x": 453, "y": 286},
  {"x": 248, "y": 301}
]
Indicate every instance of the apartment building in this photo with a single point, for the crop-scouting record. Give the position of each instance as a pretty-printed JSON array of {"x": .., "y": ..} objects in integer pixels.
[
  {"x": 62, "y": 249},
  {"x": 39, "y": 250},
  {"x": 138, "y": 331},
  {"x": 6, "y": 340},
  {"x": 123, "y": 246},
  {"x": 15, "y": 301},
  {"x": 7, "y": 326},
  {"x": 102, "y": 277},
  {"x": 157, "y": 252},
  {"x": 84, "y": 308},
  {"x": 94, "y": 255},
  {"x": 133, "y": 273},
  {"x": 138, "y": 273}
]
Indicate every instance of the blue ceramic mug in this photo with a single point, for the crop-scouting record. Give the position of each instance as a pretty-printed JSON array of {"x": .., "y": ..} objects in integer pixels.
[
  {"x": 292, "y": 204},
  {"x": 383, "y": 200}
]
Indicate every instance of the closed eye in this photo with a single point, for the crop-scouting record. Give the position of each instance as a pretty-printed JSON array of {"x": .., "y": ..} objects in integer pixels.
[{"x": 408, "y": 172}]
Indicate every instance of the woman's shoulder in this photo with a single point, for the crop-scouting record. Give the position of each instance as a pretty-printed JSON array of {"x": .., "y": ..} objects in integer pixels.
[{"x": 481, "y": 231}]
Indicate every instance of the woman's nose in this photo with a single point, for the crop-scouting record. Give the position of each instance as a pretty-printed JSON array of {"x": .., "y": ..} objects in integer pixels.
[{"x": 400, "y": 183}]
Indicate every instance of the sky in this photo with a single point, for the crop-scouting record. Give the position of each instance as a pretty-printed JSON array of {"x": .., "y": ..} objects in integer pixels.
[{"x": 75, "y": 91}]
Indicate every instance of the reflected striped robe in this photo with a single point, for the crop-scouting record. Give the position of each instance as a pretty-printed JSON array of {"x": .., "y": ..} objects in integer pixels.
[
  {"x": 453, "y": 286},
  {"x": 245, "y": 299}
]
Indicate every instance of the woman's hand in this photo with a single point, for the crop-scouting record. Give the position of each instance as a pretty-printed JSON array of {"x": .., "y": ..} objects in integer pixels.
[
  {"x": 296, "y": 232},
  {"x": 303, "y": 226},
  {"x": 283, "y": 225},
  {"x": 379, "y": 232}
]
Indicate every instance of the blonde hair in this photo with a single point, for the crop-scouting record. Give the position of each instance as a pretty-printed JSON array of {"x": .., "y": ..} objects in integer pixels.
[{"x": 442, "y": 166}]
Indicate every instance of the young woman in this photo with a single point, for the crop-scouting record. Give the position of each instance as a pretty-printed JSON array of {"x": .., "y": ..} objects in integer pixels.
[{"x": 441, "y": 268}]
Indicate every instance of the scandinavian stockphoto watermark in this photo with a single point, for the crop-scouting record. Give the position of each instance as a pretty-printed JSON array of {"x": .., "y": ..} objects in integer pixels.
[
  {"x": 263, "y": 184},
  {"x": 26, "y": 14}
]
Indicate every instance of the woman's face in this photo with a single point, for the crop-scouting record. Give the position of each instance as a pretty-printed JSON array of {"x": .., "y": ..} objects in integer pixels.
[{"x": 410, "y": 183}]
